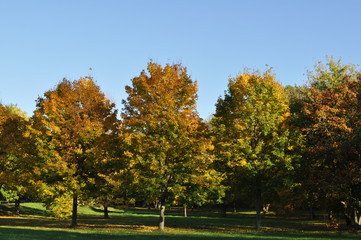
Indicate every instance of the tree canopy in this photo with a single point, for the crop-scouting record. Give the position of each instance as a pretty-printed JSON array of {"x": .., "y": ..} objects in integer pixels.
[
  {"x": 169, "y": 144},
  {"x": 69, "y": 121},
  {"x": 250, "y": 126},
  {"x": 291, "y": 147}
]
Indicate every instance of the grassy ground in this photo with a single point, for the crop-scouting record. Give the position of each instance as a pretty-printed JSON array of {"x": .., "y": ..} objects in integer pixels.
[{"x": 35, "y": 223}]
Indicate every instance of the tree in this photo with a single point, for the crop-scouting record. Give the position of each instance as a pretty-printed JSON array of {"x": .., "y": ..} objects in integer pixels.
[
  {"x": 16, "y": 153},
  {"x": 250, "y": 127},
  {"x": 305, "y": 192},
  {"x": 167, "y": 137},
  {"x": 332, "y": 74},
  {"x": 69, "y": 122},
  {"x": 333, "y": 138},
  {"x": 324, "y": 77},
  {"x": 105, "y": 187}
]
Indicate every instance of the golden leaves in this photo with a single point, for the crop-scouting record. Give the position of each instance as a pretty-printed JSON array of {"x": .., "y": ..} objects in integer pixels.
[{"x": 168, "y": 145}]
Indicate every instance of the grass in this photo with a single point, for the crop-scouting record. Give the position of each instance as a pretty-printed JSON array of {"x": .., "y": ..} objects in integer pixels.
[{"x": 36, "y": 223}]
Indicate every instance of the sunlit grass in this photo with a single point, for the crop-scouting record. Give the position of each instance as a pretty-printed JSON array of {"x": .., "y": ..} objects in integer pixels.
[{"x": 36, "y": 223}]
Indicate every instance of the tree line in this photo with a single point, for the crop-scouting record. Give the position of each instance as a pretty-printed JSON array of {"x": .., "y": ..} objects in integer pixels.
[{"x": 266, "y": 145}]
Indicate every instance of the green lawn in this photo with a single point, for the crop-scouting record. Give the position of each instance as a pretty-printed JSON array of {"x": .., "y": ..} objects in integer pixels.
[{"x": 35, "y": 223}]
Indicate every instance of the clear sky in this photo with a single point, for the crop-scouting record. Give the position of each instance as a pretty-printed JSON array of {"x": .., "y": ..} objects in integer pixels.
[{"x": 41, "y": 42}]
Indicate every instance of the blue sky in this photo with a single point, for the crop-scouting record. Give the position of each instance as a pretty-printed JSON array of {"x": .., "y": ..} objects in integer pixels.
[{"x": 42, "y": 42}]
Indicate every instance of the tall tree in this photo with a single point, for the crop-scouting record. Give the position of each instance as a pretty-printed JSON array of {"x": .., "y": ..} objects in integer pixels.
[
  {"x": 68, "y": 123},
  {"x": 169, "y": 147},
  {"x": 325, "y": 76},
  {"x": 16, "y": 153},
  {"x": 251, "y": 132},
  {"x": 332, "y": 137}
]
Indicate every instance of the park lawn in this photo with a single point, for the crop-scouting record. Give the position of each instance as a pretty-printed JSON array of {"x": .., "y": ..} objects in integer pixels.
[{"x": 36, "y": 223}]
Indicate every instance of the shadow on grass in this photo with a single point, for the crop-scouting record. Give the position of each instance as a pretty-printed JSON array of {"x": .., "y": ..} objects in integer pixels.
[
  {"x": 6, "y": 210},
  {"x": 40, "y": 234},
  {"x": 9, "y": 210},
  {"x": 34, "y": 211},
  {"x": 232, "y": 224},
  {"x": 99, "y": 210},
  {"x": 143, "y": 220}
]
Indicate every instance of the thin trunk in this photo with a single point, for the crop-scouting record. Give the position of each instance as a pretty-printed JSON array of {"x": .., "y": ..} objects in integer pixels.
[
  {"x": 258, "y": 210},
  {"x": 357, "y": 217},
  {"x": 348, "y": 220},
  {"x": 224, "y": 207},
  {"x": 17, "y": 206},
  {"x": 330, "y": 215},
  {"x": 185, "y": 210},
  {"x": 74, "y": 215},
  {"x": 106, "y": 212},
  {"x": 312, "y": 212},
  {"x": 347, "y": 215},
  {"x": 234, "y": 207},
  {"x": 162, "y": 217}
]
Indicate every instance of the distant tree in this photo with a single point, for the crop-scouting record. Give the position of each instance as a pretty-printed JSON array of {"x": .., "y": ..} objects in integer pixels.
[
  {"x": 331, "y": 74},
  {"x": 106, "y": 186},
  {"x": 169, "y": 149},
  {"x": 251, "y": 132},
  {"x": 69, "y": 122},
  {"x": 202, "y": 188}
]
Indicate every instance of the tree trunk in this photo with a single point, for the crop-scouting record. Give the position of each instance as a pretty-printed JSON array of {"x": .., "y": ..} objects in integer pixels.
[
  {"x": 357, "y": 217},
  {"x": 74, "y": 215},
  {"x": 106, "y": 212},
  {"x": 185, "y": 210},
  {"x": 258, "y": 209},
  {"x": 234, "y": 207},
  {"x": 330, "y": 215},
  {"x": 348, "y": 220},
  {"x": 162, "y": 217},
  {"x": 312, "y": 213},
  {"x": 224, "y": 207},
  {"x": 17, "y": 206}
]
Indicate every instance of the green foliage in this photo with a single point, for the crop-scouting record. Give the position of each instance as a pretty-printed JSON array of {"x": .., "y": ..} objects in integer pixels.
[
  {"x": 8, "y": 195},
  {"x": 251, "y": 120},
  {"x": 332, "y": 74},
  {"x": 251, "y": 132}
]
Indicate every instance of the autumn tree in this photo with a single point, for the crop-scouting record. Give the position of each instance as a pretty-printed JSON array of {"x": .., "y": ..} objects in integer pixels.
[
  {"x": 16, "y": 153},
  {"x": 333, "y": 112},
  {"x": 69, "y": 122},
  {"x": 251, "y": 132},
  {"x": 169, "y": 149}
]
